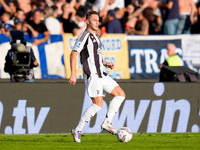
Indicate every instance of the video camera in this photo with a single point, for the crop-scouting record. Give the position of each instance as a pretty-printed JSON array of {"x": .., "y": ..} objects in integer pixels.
[{"x": 20, "y": 60}]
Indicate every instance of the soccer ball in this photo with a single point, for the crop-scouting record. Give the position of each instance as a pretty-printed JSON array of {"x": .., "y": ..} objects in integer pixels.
[{"x": 124, "y": 134}]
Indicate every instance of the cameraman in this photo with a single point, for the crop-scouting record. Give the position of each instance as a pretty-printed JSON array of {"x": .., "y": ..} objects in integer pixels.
[{"x": 20, "y": 59}]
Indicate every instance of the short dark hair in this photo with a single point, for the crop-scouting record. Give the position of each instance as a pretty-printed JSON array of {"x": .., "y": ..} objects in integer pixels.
[
  {"x": 116, "y": 9},
  {"x": 18, "y": 9},
  {"x": 55, "y": 7},
  {"x": 36, "y": 11},
  {"x": 7, "y": 13},
  {"x": 91, "y": 13}
]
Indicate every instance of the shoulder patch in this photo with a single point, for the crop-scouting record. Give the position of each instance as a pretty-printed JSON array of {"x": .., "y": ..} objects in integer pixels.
[{"x": 78, "y": 45}]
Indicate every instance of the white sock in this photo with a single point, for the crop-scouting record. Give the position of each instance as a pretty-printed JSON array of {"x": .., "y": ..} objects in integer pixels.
[
  {"x": 113, "y": 107},
  {"x": 88, "y": 114}
]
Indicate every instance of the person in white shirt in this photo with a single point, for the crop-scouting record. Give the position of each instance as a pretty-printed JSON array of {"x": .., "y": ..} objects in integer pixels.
[
  {"x": 52, "y": 24},
  {"x": 102, "y": 6}
]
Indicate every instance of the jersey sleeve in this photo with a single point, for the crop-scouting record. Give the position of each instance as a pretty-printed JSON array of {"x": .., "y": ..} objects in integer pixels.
[{"x": 80, "y": 42}]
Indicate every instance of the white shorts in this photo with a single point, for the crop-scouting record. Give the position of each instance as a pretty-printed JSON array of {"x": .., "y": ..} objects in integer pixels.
[{"x": 96, "y": 86}]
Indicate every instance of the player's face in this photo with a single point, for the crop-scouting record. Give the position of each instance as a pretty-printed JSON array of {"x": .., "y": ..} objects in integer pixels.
[{"x": 93, "y": 22}]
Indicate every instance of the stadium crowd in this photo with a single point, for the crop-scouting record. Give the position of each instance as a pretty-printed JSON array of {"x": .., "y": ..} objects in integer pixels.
[{"x": 134, "y": 17}]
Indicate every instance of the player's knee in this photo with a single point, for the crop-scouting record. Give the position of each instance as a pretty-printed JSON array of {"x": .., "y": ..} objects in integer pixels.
[
  {"x": 98, "y": 101},
  {"x": 99, "y": 104},
  {"x": 118, "y": 92},
  {"x": 122, "y": 93}
]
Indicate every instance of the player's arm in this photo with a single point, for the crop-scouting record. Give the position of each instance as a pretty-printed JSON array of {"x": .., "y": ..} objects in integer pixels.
[
  {"x": 108, "y": 64},
  {"x": 73, "y": 56}
]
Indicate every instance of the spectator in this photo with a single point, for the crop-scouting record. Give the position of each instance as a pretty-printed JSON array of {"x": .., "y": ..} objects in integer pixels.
[
  {"x": 1, "y": 9},
  {"x": 55, "y": 10},
  {"x": 172, "y": 20},
  {"x": 65, "y": 12},
  {"x": 141, "y": 27},
  {"x": 59, "y": 4},
  {"x": 19, "y": 15},
  {"x": 88, "y": 5},
  {"x": 26, "y": 28},
  {"x": 45, "y": 3},
  {"x": 187, "y": 10},
  {"x": 155, "y": 21},
  {"x": 25, "y": 5},
  {"x": 52, "y": 24},
  {"x": 118, "y": 14},
  {"x": 18, "y": 25},
  {"x": 196, "y": 27},
  {"x": 128, "y": 17},
  {"x": 102, "y": 6},
  {"x": 127, "y": 2},
  {"x": 38, "y": 27},
  {"x": 79, "y": 3},
  {"x": 42, "y": 5},
  {"x": 2, "y": 30},
  {"x": 113, "y": 25},
  {"x": 11, "y": 7},
  {"x": 138, "y": 23},
  {"x": 7, "y": 21},
  {"x": 34, "y": 6},
  {"x": 78, "y": 25},
  {"x": 152, "y": 4},
  {"x": 67, "y": 17},
  {"x": 173, "y": 59},
  {"x": 49, "y": 3}
]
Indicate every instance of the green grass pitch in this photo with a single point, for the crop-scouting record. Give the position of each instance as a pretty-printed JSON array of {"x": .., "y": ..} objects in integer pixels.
[{"x": 102, "y": 141}]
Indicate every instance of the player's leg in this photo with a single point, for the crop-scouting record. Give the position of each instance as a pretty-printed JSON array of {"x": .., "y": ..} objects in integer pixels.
[
  {"x": 118, "y": 97},
  {"x": 88, "y": 114},
  {"x": 115, "y": 90},
  {"x": 114, "y": 105},
  {"x": 91, "y": 110},
  {"x": 98, "y": 100}
]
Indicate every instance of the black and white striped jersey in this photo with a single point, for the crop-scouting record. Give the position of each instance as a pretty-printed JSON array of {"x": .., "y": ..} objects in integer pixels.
[{"x": 88, "y": 45}]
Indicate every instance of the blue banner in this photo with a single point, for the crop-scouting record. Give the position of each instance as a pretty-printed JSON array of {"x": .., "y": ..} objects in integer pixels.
[{"x": 145, "y": 56}]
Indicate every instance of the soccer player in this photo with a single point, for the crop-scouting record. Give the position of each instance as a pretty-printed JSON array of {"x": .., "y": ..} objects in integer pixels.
[{"x": 88, "y": 45}]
